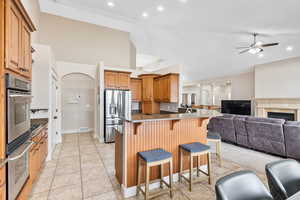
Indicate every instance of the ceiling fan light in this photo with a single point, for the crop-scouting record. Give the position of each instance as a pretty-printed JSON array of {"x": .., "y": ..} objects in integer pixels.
[
  {"x": 259, "y": 43},
  {"x": 255, "y": 50}
]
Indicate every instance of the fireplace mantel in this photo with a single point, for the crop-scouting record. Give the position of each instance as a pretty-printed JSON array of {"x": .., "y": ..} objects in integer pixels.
[{"x": 263, "y": 106}]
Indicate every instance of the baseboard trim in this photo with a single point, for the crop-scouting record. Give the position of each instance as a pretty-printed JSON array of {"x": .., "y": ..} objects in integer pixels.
[{"x": 77, "y": 131}]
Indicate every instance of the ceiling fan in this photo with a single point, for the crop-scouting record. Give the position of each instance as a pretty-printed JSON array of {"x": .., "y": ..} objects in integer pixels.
[{"x": 256, "y": 46}]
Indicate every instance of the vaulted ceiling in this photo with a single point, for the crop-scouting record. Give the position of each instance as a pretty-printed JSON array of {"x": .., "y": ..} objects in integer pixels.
[{"x": 202, "y": 34}]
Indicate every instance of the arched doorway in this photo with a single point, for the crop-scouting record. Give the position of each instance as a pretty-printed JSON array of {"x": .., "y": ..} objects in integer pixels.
[{"x": 77, "y": 103}]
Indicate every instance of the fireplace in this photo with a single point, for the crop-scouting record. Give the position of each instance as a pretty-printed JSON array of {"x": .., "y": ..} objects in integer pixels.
[
  {"x": 282, "y": 115},
  {"x": 288, "y": 109}
]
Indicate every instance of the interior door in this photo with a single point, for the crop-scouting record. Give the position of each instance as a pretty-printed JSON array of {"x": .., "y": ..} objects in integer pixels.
[{"x": 54, "y": 113}]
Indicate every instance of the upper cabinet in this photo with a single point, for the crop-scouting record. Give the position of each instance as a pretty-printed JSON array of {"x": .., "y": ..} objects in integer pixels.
[
  {"x": 147, "y": 87},
  {"x": 124, "y": 80},
  {"x": 117, "y": 80},
  {"x": 136, "y": 89},
  {"x": 166, "y": 88},
  {"x": 18, "y": 28}
]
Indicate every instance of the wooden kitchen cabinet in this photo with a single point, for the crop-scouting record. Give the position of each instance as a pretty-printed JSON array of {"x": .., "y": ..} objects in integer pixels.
[
  {"x": 136, "y": 89},
  {"x": 26, "y": 51},
  {"x": 3, "y": 192},
  {"x": 110, "y": 79},
  {"x": 147, "y": 87},
  {"x": 18, "y": 28},
  {"x": 166, "y": 88},
  {"x": 149, "y": 106},
  {"x": 117, "y": 80},
  {"x": 123, "y": 80}
]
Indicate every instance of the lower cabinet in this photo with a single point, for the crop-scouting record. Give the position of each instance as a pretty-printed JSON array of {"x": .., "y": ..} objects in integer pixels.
[
  {"x": 37, "y": 157},
  {"x": 3, "y": 192}
]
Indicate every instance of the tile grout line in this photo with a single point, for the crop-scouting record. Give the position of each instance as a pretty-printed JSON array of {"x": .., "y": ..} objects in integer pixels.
[
  {"x": 82, "y": 195},
  {"x": 48, "y": 196},
  {"x": 97, "y": 150}
]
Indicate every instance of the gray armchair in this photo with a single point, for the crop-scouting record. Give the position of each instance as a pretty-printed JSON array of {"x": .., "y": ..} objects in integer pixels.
[
  {"x": 283, "y": 178},
  {"x": 243, "y": 185},
  {"x": 292, "y": 139},
  {"x": 266, "y": 134}
]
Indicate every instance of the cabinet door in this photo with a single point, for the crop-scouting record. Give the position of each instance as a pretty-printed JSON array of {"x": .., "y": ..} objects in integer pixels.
[
  {"x": 123, "y": 81},
  {"x": 136, "y": 90},
  {"x": 156, "y": 90},
  {"x": 147, "y": 85},
  {"x": 3, "y": 192},
  {"x": 33, "y": 168},
  {"x": 174, "y": 88},
  {"x": 110, "y": 80},
  {"x": 26, "y": 51},
  {"x": 166, "y": 89},
  {"x": 14, "y": 37}
]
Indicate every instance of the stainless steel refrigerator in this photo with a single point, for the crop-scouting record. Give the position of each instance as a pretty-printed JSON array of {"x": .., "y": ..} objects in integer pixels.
[{"x": 117, "y": 108}]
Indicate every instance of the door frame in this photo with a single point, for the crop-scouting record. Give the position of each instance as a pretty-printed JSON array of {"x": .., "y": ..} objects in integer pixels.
[{"x": 53, "y": 77}]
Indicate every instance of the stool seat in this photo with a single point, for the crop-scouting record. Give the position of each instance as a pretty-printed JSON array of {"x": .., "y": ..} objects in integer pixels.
[
  {"x": 213, "y": 136},
  {"x": 155, "y": 155},
  {"x": 195, "y": 147}
]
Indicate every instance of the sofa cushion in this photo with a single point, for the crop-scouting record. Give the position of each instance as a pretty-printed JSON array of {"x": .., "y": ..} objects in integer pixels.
[
  {"x": 265, "y": 120},
  {"x": 240, "y": 130},
  {"x": 266, "y": 135},
  {"x": 292, "y": 139},
  {"x": 292, "y": 123}
]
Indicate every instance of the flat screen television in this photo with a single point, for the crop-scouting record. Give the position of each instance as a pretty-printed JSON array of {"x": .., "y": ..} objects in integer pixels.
[{"x": 238, "y": 107}]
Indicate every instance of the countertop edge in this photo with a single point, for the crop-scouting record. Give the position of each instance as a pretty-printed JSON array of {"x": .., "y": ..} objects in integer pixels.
[{"x": 170, "y": 118}]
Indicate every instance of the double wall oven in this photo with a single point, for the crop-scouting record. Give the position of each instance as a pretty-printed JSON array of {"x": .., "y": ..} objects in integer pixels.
[{"x": 18, "y": 92}]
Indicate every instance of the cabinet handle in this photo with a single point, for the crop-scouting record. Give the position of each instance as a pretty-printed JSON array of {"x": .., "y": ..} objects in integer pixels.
[{"x": 23, "y": 69}]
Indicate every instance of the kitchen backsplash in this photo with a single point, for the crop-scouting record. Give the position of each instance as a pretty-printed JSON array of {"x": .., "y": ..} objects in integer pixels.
[
  {"x": 136, "y": 106},
  {"x": 172, "y": 107}
]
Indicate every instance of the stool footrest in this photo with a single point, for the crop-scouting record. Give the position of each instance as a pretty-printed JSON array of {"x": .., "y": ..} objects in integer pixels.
[
  {"x": 198, "y": 180},
  {"x": 156, "y": 194}
]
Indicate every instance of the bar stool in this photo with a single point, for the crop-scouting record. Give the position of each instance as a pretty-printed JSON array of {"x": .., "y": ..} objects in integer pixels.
[
  {"x": 154, "y": 158},
  {"x": 194, "y": 150},
  {"x": 215, "y": 137}
]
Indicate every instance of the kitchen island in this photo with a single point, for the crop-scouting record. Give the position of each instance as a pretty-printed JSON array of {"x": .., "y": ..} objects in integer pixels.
[{"x": 146, "y": 132}]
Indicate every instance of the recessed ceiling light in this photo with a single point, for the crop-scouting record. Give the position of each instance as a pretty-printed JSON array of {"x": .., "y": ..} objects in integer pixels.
[
  {"x": 160, "y": 8},
  {"x": 145, "y": 15},
  {"x": 111, "y": 4},
  {"x": 261, "y": 55},
  {"x": 183, "y": 1},
  {"x": 289, "y": 48}
]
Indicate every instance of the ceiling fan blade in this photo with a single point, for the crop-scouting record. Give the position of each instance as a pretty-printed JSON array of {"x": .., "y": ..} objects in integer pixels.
[
  {"x": 270, "y": 44},
  {"x": 242, "y": 47},
  {"x": 244, "y": 51}
]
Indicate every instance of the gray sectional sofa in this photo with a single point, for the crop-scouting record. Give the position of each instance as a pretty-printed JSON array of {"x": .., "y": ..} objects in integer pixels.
[{"x": 274, "y": 136}]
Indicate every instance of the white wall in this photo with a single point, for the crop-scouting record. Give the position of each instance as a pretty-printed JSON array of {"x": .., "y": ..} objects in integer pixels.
[
  {"x": 242, "y": 85},
  {"x": 78, "y": 42},
  {"x": 78, "y": 96},
  {"x": 33, "y": 9},
  {"x": 44, "y": 64},
  {"x": 65, "y": 68},
  {"x": 278, "y": 79}
]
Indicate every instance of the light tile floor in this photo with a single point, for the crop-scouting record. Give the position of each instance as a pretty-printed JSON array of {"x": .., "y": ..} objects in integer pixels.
[{"x": 83, "y": 169}]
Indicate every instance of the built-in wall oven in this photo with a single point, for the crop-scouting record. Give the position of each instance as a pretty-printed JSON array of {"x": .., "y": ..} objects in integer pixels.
[{"x": 19, "y": 97}]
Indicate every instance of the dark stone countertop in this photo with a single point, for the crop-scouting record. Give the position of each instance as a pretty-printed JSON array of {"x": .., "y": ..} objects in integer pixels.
[
  {"x": 201, "y": 113},
  {"x": 39, "y": 125}
]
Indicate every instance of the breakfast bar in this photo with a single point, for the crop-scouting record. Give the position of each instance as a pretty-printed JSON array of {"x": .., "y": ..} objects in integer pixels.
[{"x": 145, "y": 132}]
